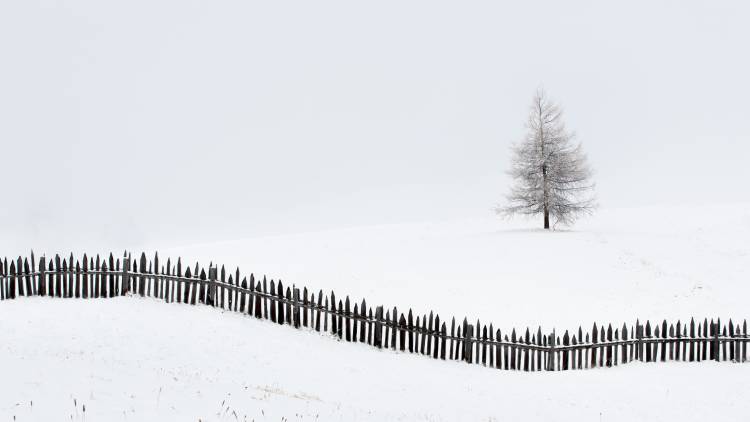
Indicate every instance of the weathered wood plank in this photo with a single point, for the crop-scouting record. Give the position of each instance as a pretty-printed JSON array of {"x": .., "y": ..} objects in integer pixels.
[
  {"x": 272, "y": 304},
  {"x": 378, "y": 336},
  {"x": 317, "y": 314},
  {"x": 363, "y": 323},
  {"x": 288, "y": 306},
  {"x": 410, "y": 329},
  {"x": 355, "y": 325},
  {"x": 347, "y": 315},
  {"x": 340, "y": 322}
]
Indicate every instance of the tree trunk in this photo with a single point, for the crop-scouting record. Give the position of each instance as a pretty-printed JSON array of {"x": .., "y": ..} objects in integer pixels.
[{"x": 546, "y": 195}]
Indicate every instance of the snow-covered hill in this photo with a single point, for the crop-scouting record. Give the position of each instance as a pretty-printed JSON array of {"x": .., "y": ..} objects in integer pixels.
[
  {"x": 655, "y": 263},
  {"x": 132, "y": 359},
  {"x": 140, "y": 359}
]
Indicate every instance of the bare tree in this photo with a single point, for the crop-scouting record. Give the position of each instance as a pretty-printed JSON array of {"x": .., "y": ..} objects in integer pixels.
[{"x": 551, "y": 174}]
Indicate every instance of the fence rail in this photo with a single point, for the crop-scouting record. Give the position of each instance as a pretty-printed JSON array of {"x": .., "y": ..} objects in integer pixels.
[{"x": 480, "y": 344}]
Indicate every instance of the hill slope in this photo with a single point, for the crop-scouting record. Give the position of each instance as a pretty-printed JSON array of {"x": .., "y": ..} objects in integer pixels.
[
  {"x": 624, "y": 264},
  {"x": 139, "y": 359}
]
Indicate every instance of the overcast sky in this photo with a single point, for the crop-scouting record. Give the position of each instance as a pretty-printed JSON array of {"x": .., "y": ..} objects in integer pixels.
[{"x": 183, "y": 121}]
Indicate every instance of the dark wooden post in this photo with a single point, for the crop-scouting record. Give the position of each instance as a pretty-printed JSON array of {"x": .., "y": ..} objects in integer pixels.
[
  {"x": 678, "y": 342},
  {"x": 104, "y": 270},
  {"x": 719, "y": 342},
  {"x": 594, "y": 341},
  {"x": 296, "y": 315},
  {"x": 219, "y": 300},
  {"x": 378, "y": 337},
  {"x": 505, "y": 347},
  {"x": 715, "y": 343},
  {"x": 334, "y": 321},
  {"x": 731, "y": 341},
  {"x": 156, "y": 279},
  {"x": 526, "y": 341},
  {"x": 203, "y": 287},
  {"x": 19, "y": 271},
  {"x": 453, "y": 334},
  {"x": 340, "y": 320},
  {"x": 142, "y": 278},
  {"x": 422, "y": 343},
  {"x": 363, "y": 324},
  {"x": 318, "y": 311},
  {"x": 738, "y": 343},
  {"x": 280, "y": 306},
  {"x": 167, "y": 282},
  {"x": 443, "y": 331},
  {"x": 743, "y": 353},
  {"x": 723, "y": 343},
  {"x": 704, "y": 342},
  {"x": 325, "y": 314},
  {"x": 468, "y": 333},
  {"x": 263, "y": 297},
  {"x": 125, "y": 275},
  {"x": 305, "y": 306},
  {"x": 671, "y": 342},
  {"x": 250, "y": 293},
  {"x": 2, "y": 280},
  {"x": 115, "y": 273},
  {"x": 28, "y": 276},
  {"x": 179, "y": 298},
  {"x": 436, "y": 334},
  {"x": 639, "y": 341},
  {"x": 513, "y": 350},
  {"x": 42, "y": 281},
  {"x": 347, "y": 322},
  {"x": 394, "y": 331},
  {"x": 410, "y": 328},
  {"x": 370, "y": 326},
  {"x": 551, "y": 351},
  {"x": 540, "y": 354},
  {"x": 212, "y": 286},
  {"x": 58, "y": 277},
  {"x": 386, "y": 326},
  {"x": 402, "y": 333},
  {"x": 491, "y": 347},
  {"x": 189, "y": 285},
  {"x": 78, "y": 280},
  {"x": 272, "y": 300},
  {"x": 692, "y": 342},
  {"x": 355, "y": 324},
  {"x": 288, "y": 306},
  {"x": 565, "y": 355},
  {"x": 242, "y": 300},
  {"x": 237, "y": 292},
  {"x": 12, "y": 283},
  {"x": 609, "y": 360}
]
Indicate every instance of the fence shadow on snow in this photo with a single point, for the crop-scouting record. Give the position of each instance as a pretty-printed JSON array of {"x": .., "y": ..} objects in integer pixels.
[{"x": 429, "y": 335}]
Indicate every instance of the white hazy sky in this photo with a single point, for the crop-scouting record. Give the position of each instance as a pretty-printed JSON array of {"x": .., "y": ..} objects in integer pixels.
[{"x": 183, "y": 121}]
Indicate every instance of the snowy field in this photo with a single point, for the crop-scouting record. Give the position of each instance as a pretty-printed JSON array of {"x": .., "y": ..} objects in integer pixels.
[
  {"x": 143, "y": 360},
  {"x": 132, "y": 359},
  {"x": 648, "y": 263}
]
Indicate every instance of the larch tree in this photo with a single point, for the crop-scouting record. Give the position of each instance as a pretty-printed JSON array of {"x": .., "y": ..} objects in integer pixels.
[{"x": 550, "y": 172}]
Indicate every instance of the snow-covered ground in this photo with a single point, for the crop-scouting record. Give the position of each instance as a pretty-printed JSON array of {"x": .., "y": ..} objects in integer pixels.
[
  {"x": 133, "y": 359},
  {"x": 648, "y": 263},
  {"x": 140, "y": 359}
]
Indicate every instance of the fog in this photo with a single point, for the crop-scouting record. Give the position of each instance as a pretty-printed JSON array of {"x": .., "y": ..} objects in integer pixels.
[{"x": 126, "y": 123}]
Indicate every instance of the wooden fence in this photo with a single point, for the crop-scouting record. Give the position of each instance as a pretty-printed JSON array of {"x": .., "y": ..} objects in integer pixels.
[{"x": 428, "y": 335}]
